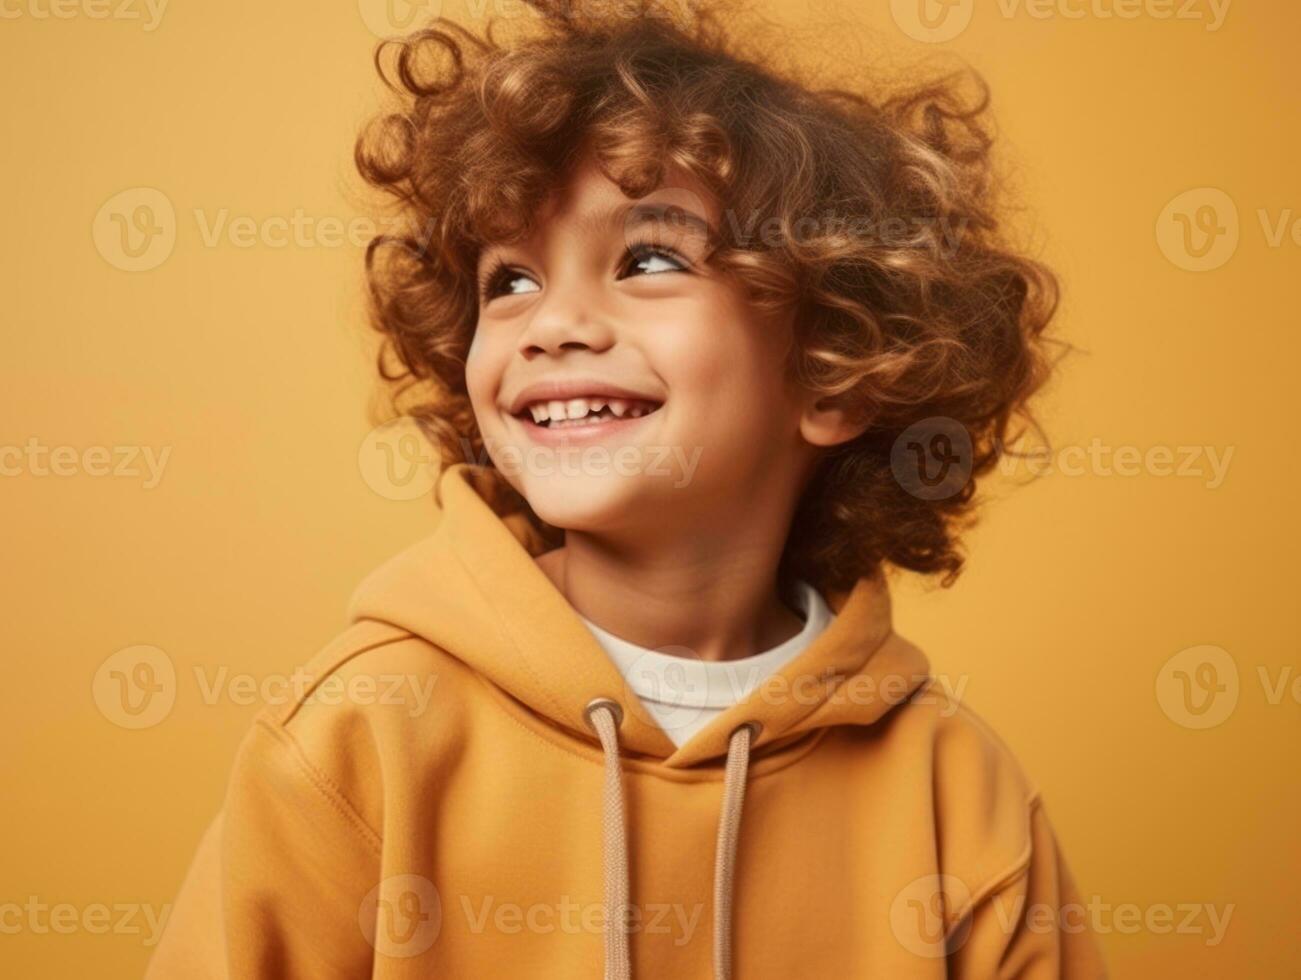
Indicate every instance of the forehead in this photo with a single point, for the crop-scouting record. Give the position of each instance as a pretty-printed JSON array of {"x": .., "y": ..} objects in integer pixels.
[{"x": 588, "y": 203}]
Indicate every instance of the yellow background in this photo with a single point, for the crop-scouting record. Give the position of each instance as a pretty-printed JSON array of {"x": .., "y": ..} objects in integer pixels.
[{"x": 252, "y": 364}]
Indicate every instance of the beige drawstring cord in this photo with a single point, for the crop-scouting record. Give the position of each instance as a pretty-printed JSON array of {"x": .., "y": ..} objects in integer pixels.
[
  {"x": 605, "y": 715},
  {"x": 729, "y": 831}
]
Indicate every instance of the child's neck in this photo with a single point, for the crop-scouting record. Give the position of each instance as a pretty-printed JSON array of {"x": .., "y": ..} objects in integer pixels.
[{"x": 713, "y": 611}]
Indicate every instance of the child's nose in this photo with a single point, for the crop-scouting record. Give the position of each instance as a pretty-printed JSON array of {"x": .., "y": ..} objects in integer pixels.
[{"x": 566, "y": 323}]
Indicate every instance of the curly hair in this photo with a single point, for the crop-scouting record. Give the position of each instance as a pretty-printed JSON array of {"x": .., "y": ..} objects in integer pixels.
[{"x": 881, "y": 235}]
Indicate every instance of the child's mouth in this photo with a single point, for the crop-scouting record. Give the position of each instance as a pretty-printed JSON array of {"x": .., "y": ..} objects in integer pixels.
[{"x": 585, "y": 412}]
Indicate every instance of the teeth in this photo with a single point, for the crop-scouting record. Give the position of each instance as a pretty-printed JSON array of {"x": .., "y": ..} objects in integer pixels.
[{"x": 562, "y": 411}]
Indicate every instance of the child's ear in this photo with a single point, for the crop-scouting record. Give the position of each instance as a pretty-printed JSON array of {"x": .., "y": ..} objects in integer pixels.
[{"x": 827, "y": 422}]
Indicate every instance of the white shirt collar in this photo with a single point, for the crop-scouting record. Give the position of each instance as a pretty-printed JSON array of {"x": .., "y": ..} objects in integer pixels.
[{"x": 686, "y": 681}]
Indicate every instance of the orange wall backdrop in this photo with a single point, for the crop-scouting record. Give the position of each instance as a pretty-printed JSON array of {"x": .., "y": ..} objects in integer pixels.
[{"x": 188, "y": 465}]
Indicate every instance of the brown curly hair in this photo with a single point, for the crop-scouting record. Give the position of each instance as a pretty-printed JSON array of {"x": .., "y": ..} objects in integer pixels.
[{"x": 909, "y": 303}]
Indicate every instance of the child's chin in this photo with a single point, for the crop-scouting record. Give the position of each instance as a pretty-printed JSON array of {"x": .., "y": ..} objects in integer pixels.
[{"x": 583, "y": 502}]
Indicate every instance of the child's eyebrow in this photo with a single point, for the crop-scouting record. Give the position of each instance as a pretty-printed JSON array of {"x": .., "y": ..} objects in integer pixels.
[
  {"x": 631, "y": 216},
  {"x": 640, "y": 213}
]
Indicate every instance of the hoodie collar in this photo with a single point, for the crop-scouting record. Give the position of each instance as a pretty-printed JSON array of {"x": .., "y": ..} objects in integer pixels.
[{"x": 473, "y": 589}]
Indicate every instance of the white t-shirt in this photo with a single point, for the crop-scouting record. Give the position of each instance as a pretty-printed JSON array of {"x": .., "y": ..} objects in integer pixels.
[{"x": 682, "y": 693}]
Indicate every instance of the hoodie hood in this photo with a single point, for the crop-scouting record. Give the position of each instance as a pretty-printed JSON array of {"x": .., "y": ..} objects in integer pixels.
[{"x": 473, "y": 589}]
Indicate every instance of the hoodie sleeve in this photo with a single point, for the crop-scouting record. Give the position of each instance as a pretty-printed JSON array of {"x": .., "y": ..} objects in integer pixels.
[
  {"x": 1033, "y": 926},
  {"x": 276, "y": 885}
]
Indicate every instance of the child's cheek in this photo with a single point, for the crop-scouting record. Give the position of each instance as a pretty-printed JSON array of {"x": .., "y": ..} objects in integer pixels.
[
  {"x": 481, "y": 378},
  {"x": 687, "y": 347},
  {"x": 712, "y": 360}
]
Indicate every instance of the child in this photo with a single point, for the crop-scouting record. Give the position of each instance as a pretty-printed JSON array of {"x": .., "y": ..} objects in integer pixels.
[{"x": 702, "y": 349}]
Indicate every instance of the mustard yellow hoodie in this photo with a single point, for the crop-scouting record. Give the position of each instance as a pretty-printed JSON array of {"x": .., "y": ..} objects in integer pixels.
[{"x": 465, "y": 786}]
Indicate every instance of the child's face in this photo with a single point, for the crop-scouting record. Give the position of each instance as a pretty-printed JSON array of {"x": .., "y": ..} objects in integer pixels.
[{"x": 573, "y": 306}]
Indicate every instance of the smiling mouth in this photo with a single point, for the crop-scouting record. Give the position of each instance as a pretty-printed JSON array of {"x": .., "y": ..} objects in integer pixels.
[{"x": 579, "y": 412}]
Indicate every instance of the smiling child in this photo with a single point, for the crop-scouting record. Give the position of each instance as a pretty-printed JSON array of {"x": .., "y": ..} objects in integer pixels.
[{"x": 677, "y": 324}]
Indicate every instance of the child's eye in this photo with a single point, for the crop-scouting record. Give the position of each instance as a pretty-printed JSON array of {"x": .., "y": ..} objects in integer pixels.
[
  {"x": 502, "y": 279},
  {"x": 651, "y": 259}
]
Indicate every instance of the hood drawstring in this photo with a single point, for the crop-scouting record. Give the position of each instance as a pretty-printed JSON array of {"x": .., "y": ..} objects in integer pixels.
[
  {"x": 729, "y": 832},
  {"x": 605, "y": 716}
]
